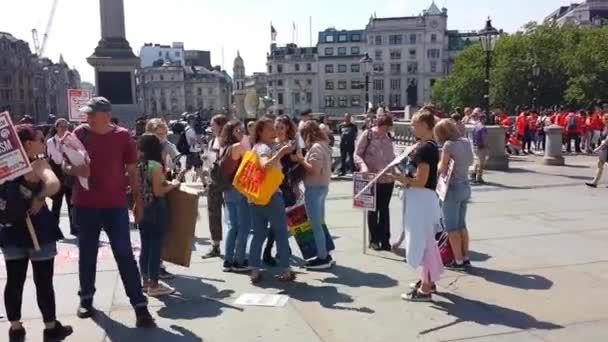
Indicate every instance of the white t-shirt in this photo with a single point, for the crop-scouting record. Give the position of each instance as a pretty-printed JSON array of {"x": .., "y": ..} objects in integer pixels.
[
  {"x": 301, "y": 142},
  {"x": 52, "y": 150}
]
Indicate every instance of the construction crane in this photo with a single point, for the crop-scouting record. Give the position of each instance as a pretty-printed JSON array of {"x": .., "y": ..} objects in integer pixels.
[{"x": 39, "y": 48}]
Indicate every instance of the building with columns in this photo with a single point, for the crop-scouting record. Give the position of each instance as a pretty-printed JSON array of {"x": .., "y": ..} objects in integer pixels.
[{"x": 239, "y": 78}]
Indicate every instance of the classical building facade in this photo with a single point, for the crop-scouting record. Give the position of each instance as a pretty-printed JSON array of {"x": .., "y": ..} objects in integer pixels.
[
  {"x": 30, "y": 85},
  {"x": 341, "y": 78},
  {"x": 409, "y": 54},
  {"x": 293, "y": 79},
  {"x": 175, "y": 89},
  {"x": 588, "y": 13}
]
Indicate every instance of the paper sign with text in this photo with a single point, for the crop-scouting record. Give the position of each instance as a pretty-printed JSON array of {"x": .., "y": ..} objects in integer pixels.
[
  {"x": 13, "y": 159},
  {"x": 367, "y": 199},
  {"x": 78, "y": 98}
]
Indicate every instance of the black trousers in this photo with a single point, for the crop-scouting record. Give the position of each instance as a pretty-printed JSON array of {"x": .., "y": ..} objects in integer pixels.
[
  {"x": 379, "y": 221},
  {"x": 577, "y": 142},
  {"x": 347, "y": 158},
  {"x": 16, "y": 273},
  {"x": 58, "y": 203}
]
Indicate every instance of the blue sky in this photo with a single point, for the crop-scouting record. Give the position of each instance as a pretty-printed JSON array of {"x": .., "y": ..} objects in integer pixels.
[{"x": 242, "y": 25}]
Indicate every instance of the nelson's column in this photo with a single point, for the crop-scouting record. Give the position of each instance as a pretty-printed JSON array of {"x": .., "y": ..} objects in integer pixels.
[{"x": 115, "y": 64}]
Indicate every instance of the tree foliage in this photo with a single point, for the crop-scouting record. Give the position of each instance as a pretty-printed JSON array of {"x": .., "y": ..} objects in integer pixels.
[{"x": 573, "y": 63}]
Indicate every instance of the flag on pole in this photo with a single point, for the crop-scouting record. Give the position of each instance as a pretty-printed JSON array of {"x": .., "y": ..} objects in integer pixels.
[{"x": 273, "y": 33}]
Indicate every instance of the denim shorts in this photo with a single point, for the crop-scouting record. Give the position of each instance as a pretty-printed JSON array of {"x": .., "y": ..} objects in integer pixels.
[
  {"x": 455, "y": 206},
  {"x": 46, "y": 252}
]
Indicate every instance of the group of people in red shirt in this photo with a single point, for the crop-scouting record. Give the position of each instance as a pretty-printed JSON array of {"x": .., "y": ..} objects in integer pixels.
[{"x": 582, "y": 129}]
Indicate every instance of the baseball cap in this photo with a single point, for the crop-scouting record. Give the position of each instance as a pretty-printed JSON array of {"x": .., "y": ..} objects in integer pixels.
[{"x": 97, "y": 105}]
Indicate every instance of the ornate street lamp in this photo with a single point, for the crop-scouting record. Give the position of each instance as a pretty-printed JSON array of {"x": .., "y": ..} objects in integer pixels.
[
  {"x": 488, "y": 37},
  {"x": 536, "y": 73},
  {"x": 366, "y": 63}
]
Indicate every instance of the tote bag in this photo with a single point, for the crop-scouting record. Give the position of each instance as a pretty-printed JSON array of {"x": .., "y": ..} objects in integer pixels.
[{"x": 256, "y": 183}]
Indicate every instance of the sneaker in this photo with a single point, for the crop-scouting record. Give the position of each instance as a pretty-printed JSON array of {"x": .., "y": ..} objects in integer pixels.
[
  {"x": 240, "y": 268},
  {"x": 143, "y": 319},
  {"x": 591, "y": 185},
  {"x": 58, "y": 332},
  {"x": 467, "y": 264},
  {"x": 481, "y": 181},
  {"x": 227, "y": 266},
  {"x": 375, "y": 246},
  {"x": 453, "y": 266},
  {"x": 416, "y": 286},
  {"x": 164, "y": 275},
  {"x": 16, "y": 335},
  {"x": 160, "y": 290},
  {"x": 319, "y": 264},
  {"x": 85, "y": 310},
  {"x": 417, "y": 296},
  {"x": 213, "y": 253}
]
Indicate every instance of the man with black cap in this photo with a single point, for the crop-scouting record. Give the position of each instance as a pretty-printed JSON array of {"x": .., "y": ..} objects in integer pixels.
[{"x": 112, "y": 152}]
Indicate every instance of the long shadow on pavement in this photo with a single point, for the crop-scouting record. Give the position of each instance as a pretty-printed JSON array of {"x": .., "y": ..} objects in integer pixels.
[
  {"x": 468, "y": 310},
  {"x": 506, "y": 278},
  {"x": 116, "y": 331},
  {"x": 192, "y": 290},
  {"x": 352, "y": 277},
  {"x": 327, "y": 296}
]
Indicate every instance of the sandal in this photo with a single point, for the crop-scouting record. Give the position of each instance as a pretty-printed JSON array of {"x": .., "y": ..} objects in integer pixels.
[
  {"x": 288, "y": 276},
  {"x": 255, "y": 277}
]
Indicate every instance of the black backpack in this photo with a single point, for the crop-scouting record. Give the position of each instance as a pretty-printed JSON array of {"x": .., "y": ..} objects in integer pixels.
[
  {"x": 182, "y": 144},
  {"x": 15, "y": 210}
]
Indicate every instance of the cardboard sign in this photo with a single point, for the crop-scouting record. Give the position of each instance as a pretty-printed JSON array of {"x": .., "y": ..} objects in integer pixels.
[
  {"x": 443, "y": 181},
  {"x": 183, "y": 213},
  {"x": 13, "y": 159},
  {"x": 78, "y": 98},
  {"x": 300, "y": 228},
  {"x": 367, "y": 199}
]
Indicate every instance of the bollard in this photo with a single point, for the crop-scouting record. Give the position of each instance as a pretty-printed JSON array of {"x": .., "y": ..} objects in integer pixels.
[
  {"x": 497, "y": 156},
  {"x": 553, "y": 149}
]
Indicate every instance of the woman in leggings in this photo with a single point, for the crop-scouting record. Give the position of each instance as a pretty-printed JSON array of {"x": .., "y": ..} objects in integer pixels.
[{"x": 22, "y": 199}]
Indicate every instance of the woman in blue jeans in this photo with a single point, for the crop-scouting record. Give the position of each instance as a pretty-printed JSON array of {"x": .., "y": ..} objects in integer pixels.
[
  {"x": 155, "y": 219},
  {"x": 317, "y": 164},
  {"x": 454, "y": 206},
  {"x": 239, "y": 213},
  {"x": 274, "y": 212}
]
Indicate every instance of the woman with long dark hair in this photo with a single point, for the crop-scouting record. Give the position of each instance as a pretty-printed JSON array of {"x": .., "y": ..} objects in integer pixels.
[
  {"x": 239, "y": 213},
  {"x": 24, "y": 199},
  {"x": 294, "y": 173},
  {"x": 155, "y": 219}
]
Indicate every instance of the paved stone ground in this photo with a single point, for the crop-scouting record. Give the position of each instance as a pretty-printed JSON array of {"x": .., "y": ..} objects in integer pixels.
[{"x": 539, "y": 238}]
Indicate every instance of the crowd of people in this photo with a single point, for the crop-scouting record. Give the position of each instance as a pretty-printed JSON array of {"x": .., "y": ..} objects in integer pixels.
[{"x": 144, "y": 170}]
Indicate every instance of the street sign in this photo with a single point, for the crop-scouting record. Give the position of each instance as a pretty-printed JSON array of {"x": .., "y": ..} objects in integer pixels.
[
  {"x": 366, "y": 199},
  {"x": 76, "y": 99},
  {"x": 13, "y": 159}
]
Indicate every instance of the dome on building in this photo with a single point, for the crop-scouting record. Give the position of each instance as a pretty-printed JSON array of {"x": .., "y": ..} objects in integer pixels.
[{"x": 238, "y": 61}]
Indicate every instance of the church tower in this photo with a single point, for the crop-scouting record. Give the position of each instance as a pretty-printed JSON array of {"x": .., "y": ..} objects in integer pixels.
[{"x": 239, "y": 86}]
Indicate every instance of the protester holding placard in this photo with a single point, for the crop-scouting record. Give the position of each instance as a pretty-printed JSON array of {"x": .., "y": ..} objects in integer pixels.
[
  {"x": 55, "y": 155},
  {"x": 270, "y": 155},
  {"x": 373, "y": 152},
  {"x": 421, "y": 211},
  {"x": 317, "y": 164},
  {"x": 21, "y": 200},
  {"x": 458, "y": 193},
  {"x": 155, "y": 220}
]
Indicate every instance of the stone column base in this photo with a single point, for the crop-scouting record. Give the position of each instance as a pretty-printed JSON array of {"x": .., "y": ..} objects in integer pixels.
[
  {"x": 554, "y": 161},
  {"x": 498, "y": 163}
]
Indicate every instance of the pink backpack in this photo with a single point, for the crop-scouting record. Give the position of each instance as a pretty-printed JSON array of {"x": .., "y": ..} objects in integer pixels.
[{"x": 447, "y": 256}]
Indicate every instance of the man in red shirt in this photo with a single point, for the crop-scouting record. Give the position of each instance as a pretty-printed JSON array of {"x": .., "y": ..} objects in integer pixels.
[
  {"x": 523, "y": 131},
  {"x": 112, "y": 153},
  {"x": 533, "y": 128}
]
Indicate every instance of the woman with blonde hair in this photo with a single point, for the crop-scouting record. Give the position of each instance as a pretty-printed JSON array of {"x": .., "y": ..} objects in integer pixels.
[
  {"x": 317, "y": 164},
  {"x": 454, "y": 207}
]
